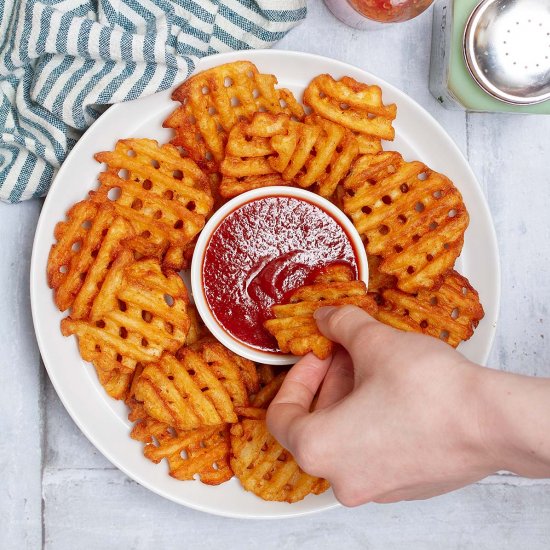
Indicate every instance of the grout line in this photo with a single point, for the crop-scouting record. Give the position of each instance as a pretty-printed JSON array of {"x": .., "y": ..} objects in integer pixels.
[
  {"x": 43, "y": 446},
  {"x": 49, "y": 471},
  {"x": 499, "y": 478},
  {"x": 468, "y": 126}
]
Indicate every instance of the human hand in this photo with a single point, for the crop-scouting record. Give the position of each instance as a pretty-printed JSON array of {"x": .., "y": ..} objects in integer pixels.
[{"x": 400, "y": 416}]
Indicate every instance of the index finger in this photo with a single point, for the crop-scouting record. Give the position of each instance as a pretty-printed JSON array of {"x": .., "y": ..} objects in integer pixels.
[{"x": 293, "y": 401}]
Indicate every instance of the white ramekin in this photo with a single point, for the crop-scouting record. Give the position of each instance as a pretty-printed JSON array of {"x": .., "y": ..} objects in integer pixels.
[{"x": 197, "y": 285}]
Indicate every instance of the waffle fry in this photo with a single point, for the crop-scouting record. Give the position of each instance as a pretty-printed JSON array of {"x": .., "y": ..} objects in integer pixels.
[
  {"x": 115, "y": 382},
  {"x": 202, "y": 453},
  {"x": 246, "y": 165},
  {"x": 214, "y": 100},
  {"x": 86, "y": 245},
  {"x": 222, "y": 362},
  {"x": 378, "y": 281},
  {"x": 450, "y": 313},
  {"x": 265, "y": 468},
  {"x": 355, "y": 106},
  {"x": 197, "y": 329},
  {"x": 270, "y": 380},
  {"x": 138, "y": 314},
  {"x": 322, "y": 156},
  {"x": 164, "y": 197},
  {"x": 190, "y": 393},
  {"x": 411, "y": 216},
  {"x": 294, "y": 327},
  {"x": 276, "y": 150}
]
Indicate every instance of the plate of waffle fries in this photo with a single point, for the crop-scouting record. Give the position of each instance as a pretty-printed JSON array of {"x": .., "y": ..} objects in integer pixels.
[{"x": 123, "y": 344}]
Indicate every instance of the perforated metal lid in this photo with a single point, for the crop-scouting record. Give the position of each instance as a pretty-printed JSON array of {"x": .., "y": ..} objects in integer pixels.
[{"x": 507, "y": 49}]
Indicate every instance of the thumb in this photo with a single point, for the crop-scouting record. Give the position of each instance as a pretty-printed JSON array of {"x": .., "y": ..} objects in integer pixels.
[
  {"x": 344, "y": 324},
  {"x": 292, "y": 403},
  {"x": 361, "y": 335}
]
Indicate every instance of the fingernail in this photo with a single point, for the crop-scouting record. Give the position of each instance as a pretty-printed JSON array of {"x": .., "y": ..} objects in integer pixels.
[{"x": 322, "y": 312}]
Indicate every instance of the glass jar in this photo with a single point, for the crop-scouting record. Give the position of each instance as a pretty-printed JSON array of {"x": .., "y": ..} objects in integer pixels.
[{"x": 369, "y": 14}]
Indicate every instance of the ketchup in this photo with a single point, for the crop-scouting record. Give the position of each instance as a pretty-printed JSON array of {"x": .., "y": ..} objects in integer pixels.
[
  {"x": 390, "y": 11},
  {"x": 260, "y": 253}
]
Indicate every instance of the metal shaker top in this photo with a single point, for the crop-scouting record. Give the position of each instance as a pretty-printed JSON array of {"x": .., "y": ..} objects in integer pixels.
[{"x": 507, "y": 49}]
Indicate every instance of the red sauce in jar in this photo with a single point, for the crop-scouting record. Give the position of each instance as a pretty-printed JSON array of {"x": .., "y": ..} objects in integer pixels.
[
  {"x": 261, "y": 252},
  {"x": 390, "y": 11}
]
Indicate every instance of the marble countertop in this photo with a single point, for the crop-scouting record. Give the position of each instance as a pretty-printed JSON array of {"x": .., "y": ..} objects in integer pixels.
[{"x": 58, "y": 491}]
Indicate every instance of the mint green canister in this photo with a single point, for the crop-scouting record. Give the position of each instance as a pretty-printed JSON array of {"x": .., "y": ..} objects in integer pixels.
[{"x": 492, "y": 56}]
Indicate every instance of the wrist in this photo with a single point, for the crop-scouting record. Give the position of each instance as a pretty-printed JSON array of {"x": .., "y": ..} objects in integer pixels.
[{"x": 514, "y": 420}]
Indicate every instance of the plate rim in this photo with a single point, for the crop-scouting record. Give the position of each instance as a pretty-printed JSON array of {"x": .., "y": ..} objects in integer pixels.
[{"x": 38, "y": 270}]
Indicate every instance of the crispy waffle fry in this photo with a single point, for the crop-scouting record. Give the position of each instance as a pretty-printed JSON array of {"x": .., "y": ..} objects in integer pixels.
[
  {"x": 294, "y": 327},
  {"x": 223, "y": 362},
  {"x": 450, "y": 313},
  {"x": 411, "y": 216},
  {"x": 86, "y": 245},
  {"x": 164, "y": 196},
  {"x": 197, "y": 329},
  {"x": 265, "y": 468},
  {"x": 246, "y": 165},
  {"x": 322, "y": 156},
  {"x": 270, "y": 380},
  {"x": 138, "y": 314},
  {"x": 203, "y": 452},
  {"x": 213, "y": 101},
  {"x": 378, "y": 280},
  {"x": 269, "y": 390},
  {"x": 201, "y": 389},
  {"x": 355, "y": 106},
  {"x": 115, "y": 382},
  {"x": 275, "y": 150}
]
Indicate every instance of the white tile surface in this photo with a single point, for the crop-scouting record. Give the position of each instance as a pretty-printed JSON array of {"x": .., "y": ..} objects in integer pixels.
[{"x": 57, "y": 491}]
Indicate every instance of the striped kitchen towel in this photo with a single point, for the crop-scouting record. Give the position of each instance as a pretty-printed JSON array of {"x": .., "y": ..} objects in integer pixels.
[{"x": 63, "y": 61}]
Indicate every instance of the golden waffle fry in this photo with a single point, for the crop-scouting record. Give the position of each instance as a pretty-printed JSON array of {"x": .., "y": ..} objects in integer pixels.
[
  {"x": 246, "y": 165},
  {"x": 335, "y": 273},
  {"x": 164, "y": 196},
  {"x": 197, "y": 329},
  {"x": 265, "y": 468},
  {"x": 411, "y": 216},
  {"x": 192, "y": 392},
  {"x": 232, "y": 186},
  {"x": 275, "y": 150},
  {"x": 269, "y": 390},
  {"x": 294, "y": 327},
  {"x": 378, "y": 280},
  {"x": 450, "y": 313},
  {"x": 203, "y": 452},
  {"x": 270, "y": 380},
  {"x": 214, "y": 100},
  {"x": 266, "y": 373},
  {"x": 322, "y": 155},
  {"x": 355, "y": 106},
  {"x": 115, "y": 382},
  {"x": 86, "y": 245},
  {"x": 222, "y": 362},
  {"x": 138, "y": 314}
]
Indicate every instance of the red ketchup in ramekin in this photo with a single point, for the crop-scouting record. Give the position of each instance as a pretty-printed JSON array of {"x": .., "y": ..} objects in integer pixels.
[{"x": 258, "y": 252}]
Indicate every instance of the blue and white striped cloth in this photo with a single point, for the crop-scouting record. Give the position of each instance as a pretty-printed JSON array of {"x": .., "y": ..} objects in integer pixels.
[{"x": 63, "y": 61}]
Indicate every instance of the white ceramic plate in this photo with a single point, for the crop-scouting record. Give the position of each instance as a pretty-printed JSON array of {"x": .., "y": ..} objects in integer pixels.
[{"x": 103, "y": 420}]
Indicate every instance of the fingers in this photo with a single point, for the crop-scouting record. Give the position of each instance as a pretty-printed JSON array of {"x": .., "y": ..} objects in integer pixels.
[
  {"x": 342, "y": 324},
  {"x": 338, "y": 382},
  {"x": 293, "y": 401}
]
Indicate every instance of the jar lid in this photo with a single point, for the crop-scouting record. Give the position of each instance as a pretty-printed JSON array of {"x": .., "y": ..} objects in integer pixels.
[{"x": 507, "y": 49}]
